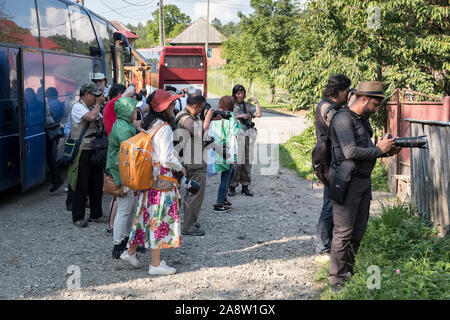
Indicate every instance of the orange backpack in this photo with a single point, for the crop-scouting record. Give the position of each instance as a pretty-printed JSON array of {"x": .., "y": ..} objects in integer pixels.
[{"x": 135, "y": 159}]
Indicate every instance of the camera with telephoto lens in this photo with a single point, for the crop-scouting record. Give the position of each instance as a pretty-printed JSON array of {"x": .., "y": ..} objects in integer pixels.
[
  {"x": 411, "y": 142},
  {"x": 224, "y": 114},
  {"x": 188, "y": 184}
]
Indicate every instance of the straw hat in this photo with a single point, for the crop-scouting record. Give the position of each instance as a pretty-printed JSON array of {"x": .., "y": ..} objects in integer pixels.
[
  {"x": 371, "y": 89},
  {"x": 162, "y": 99}
]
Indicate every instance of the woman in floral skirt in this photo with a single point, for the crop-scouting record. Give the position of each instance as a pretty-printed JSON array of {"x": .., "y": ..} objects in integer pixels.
[{"x": 157, "y": 223}]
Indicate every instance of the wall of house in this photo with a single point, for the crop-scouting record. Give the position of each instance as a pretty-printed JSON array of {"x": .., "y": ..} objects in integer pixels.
[{"x": 215, "y": 60}]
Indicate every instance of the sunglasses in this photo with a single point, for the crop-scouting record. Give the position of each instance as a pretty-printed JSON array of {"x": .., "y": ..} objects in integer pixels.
[{"x": 96, "y": 81}]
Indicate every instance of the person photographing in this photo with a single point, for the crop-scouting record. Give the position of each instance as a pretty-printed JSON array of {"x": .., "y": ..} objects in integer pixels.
[
  {"x": 353, "y": 158},
  {"x": 244, "y": 113},
  {"x": 192, "y": 146}
]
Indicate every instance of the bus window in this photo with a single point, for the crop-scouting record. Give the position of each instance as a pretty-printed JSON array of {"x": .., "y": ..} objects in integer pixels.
[
  {"x": 105, "y": 34},
  {"x": 55, "y": 26},
  {"x": 187, "y": 61},
  {"x": 18, "y": 23},
  {"x": 84, "y": 40},
  {"x": 9, "y": 95},
  {"x": 66, "y": 74}
]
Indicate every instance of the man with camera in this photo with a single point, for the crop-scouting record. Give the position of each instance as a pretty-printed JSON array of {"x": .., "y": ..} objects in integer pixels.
[
  {"x": 192, "y": 144},
  {"x": 334, "y": 98},
  {"x": 85, "y": 178},
  {"x": 353, "y": 158},
  {"x": 245, "y": 112}
]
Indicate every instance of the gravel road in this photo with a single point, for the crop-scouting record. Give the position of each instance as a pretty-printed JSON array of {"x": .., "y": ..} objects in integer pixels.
[{"x": 262, "y": 249}]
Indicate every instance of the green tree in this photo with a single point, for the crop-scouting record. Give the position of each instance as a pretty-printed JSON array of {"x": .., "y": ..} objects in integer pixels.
[
  {"x": 174, "y": 23},
  {"x": 267, "y": 32},
  {"x": 244, "y": 61},
  {"x": 404, "y": 43},
  {"x": 230, "y": 29}
]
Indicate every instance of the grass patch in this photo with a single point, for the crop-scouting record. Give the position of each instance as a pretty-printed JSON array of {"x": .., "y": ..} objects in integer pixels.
[
  {"x": 414, "y": 262},
  {"x": 295, "y": 154}
]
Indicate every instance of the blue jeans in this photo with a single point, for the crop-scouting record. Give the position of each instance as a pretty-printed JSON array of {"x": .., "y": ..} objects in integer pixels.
[
  {"x": 325, "y": 225},
  {"x": 225, "y": 180}
]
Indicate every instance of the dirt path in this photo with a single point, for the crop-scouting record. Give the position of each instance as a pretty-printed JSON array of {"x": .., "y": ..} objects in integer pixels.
[{"x": 262, "y": 249}]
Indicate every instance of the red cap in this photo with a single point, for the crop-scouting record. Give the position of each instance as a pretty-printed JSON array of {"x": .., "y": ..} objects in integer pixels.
[{"x": 162, "y": 99}]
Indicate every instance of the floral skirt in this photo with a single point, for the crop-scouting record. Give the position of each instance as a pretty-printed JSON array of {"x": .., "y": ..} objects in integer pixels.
[{"x": 157, "y": 222}]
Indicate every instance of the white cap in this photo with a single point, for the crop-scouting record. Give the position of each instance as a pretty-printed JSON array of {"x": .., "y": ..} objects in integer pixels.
[{"x": 97, "y": 76}]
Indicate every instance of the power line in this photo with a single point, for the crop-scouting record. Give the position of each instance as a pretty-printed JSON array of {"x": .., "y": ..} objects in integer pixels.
[
  {"x": 120, "y": 14},
  {"x": 127, "y": 6},
  {"x": 221, "y": 3},
  {"x": 137, "y": 4}
]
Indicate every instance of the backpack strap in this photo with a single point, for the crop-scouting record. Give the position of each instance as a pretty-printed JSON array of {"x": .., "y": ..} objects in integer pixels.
[
  {"x": 158, "y": 125},
  {"x": 325, "y": 110}
]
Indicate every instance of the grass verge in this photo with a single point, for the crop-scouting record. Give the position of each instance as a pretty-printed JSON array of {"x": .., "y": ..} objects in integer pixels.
[
  {"x": 295, "y": 154},
  {"x": 414, "y": 263}
]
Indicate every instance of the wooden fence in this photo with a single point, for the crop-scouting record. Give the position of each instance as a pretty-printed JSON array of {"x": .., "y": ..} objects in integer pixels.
[
  {"x": 404, "y": 104},
  {"x": 430, "y": 172}
]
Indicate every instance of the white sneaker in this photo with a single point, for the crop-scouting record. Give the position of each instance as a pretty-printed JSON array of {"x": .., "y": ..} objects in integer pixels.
[
  {"x": 162, "y": 269},
  {"x": 131, "y": 259}
]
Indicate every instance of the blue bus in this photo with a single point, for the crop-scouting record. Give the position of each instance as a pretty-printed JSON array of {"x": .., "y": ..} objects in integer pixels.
[{"x": 48, "y": 48}]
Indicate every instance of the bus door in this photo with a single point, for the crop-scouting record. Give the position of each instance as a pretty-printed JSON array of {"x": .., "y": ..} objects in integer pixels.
[{"x": 32, "y": 140}]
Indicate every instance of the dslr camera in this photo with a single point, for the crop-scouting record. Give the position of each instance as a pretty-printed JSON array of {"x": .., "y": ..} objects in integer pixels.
[
  {"x": 188, "y": 184},
  {"x": 411, "y": 142},
  {"x": 224, "y": 114}
]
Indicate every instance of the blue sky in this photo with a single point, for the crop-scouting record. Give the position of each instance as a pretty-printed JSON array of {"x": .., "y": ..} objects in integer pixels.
[{"x": 135, "y": 11}]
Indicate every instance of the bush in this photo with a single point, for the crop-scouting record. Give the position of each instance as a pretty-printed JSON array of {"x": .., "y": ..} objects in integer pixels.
[{"x": 414, "y": 262}]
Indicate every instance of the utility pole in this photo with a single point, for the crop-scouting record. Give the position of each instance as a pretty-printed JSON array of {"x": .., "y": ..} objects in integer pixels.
[
  {"x": 161, "y": 24},
  {"x": 207, "y": 31}
]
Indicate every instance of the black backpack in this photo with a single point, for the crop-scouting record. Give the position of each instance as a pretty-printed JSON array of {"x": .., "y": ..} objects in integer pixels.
[{"x": 321, "y": 154}]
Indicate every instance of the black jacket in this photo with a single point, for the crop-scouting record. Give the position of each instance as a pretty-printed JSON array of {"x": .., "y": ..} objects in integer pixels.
[{"x": 351, "y": 139}]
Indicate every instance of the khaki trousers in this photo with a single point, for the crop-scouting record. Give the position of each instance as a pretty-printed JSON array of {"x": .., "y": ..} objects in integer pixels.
[
  {"x": 193, "y": 202},
  {"x": 243, "y": 173}
]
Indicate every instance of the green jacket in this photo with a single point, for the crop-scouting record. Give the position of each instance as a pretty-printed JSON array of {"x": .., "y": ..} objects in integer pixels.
[
  {"x": 223, "y": 130},
  {"x": 123, "y": 129}
]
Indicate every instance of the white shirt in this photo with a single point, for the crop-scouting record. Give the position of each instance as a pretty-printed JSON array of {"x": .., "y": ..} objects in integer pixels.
[
  {"x": 180, "y": 103},
  {"x": 79, "y": 109},
  {"x": 162, "y": 149}
]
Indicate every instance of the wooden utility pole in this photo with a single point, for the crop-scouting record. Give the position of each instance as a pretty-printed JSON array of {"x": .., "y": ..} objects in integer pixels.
[
  {"x": 161, "y": 24},
  {"x": 207, "y": 30}
]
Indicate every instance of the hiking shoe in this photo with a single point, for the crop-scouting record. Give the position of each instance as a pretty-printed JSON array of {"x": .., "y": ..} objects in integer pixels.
[
  {"x": 232, "y": 191},
  {"x": 56, "y": 185},
  {"x": 81, "y": 223},
  {"x": 246, "y": 191},
  {"x": 162, "y": 269},
  {"x": 117, "y": 251},
  {"x": 131, "y": 259},
  {"x": 337, "y": 288},
  {"x": 220, "y": 208},
  {"x": 323, "y": 258}
]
